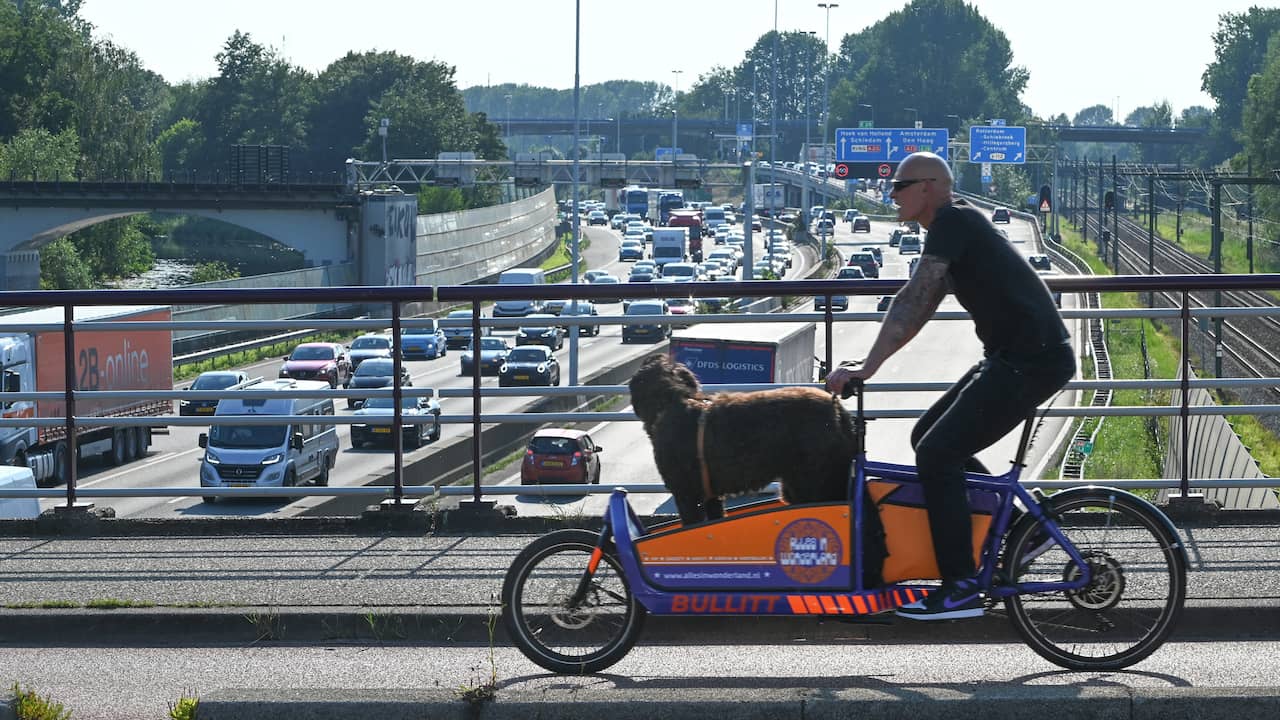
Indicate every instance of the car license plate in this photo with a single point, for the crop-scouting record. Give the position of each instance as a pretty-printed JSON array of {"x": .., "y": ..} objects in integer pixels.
[
  {"x": 205, "y": 410},
  {"x": 382, "y": 430},
  {"x": 522, "y": 377},
  {"x": 237, "y": 484},
  {"x": 553, "y": 464},
  {"x": 642, "y": 331}
]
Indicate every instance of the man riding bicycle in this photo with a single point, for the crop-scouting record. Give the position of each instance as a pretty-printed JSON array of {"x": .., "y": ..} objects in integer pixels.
[{"x": 1027, "y": 357}]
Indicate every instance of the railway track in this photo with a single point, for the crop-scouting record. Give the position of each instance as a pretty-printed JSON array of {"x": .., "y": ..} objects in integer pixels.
[{"x": 1246, "y": 341}]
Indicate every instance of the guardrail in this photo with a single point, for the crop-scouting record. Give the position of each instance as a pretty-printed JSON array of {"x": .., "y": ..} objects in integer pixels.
[{"x": 396, "y": 297}]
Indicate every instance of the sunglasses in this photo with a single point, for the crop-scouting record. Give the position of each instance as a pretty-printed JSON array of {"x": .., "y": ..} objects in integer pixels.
[{"x": 900, "y": 185}]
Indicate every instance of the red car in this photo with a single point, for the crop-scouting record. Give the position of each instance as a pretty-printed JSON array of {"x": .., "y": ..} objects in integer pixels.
[
  {"x": 560, "y": 456},
  {"x": 318, "y": 361}
]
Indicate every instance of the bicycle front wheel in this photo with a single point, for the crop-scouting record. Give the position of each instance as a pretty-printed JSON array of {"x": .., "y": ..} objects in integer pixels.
[
  {"x": 552, "y": 623},
  {"x": 1135, "y": 595}
]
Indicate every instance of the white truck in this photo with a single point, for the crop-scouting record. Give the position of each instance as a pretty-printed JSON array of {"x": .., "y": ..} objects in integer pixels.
[
  {"x": 104, "y": 360},
  {"x": 670, "y": 245},
  {"x": 770, "y": 198},
  {"x": 731, "y": 354}
]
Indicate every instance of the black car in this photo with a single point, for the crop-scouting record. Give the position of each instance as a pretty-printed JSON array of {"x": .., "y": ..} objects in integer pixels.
[
  {"x": 375, "y": 373},
  {"x": 1000, "y": 215},
  {"x": 1040, "y": 262},
  {"x": 866, "y": 261},
  {"x": 530, "y": 365},
  {"x": 584, "y": 309},
  {"x": 493, "y": 352},
  {"x": 211, "y": 380},
  {"x": 861, "y": 224},
  {"x": 541, "y": 329}
]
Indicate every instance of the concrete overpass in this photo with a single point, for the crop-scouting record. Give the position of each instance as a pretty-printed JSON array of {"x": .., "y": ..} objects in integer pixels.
[{"x": 318, "y": 220}]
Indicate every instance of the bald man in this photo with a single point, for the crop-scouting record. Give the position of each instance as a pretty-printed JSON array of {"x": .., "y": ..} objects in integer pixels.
[{"x": 1027, "y": 357}]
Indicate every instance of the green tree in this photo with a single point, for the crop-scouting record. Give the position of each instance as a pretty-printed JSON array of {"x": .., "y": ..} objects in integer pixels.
[
  {"x": 178, "y": 144},
  {"x": 1261, "y": 130},
  {"x": 62, "y": 268},
  {"x": 1095, "y": 115},
  {"x": 432, "y": 200},
  {"x": 964, "y": 68},
  {"x": 212, "y": 271},
  {"x": 344, "y": 93},
  {"x": 1240, "y": 49},
  {"x": 114, "y": 249},
  {"x": 37, "y": 154},
  {"x": 256, "y": 99}
]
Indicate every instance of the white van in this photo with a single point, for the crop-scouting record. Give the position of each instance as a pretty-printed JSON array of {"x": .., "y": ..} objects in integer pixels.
[
  {"x": 519, "y": 308},
  {"x": 252, "y": 455},
  {"x": 909, "y": 244}
]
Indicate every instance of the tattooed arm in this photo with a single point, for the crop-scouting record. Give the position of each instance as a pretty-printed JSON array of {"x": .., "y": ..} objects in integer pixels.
[{"x": 914, "y": 304}]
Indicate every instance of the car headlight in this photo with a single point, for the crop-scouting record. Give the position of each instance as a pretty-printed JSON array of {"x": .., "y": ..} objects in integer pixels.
[
  {"x": 503, "y": 369},
  {"x": 284, "y": 372},
  {"x": 273, "y": 459},
  {"x": 542, "y": 368},
  {"x": 211, "y": 458},
  {"x": 359, "y": 426},
  {"x": 183, "y": 403}
]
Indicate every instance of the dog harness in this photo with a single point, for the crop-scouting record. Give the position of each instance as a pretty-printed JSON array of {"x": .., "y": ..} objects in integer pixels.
[{"x": 702, "y": 456}]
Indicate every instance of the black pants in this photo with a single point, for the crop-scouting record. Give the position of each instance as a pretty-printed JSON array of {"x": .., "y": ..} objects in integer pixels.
[{"x": 991, "y": 399}]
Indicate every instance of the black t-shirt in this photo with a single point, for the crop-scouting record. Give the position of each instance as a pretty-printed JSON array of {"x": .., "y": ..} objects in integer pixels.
[{"x": 1012, "y": 309}]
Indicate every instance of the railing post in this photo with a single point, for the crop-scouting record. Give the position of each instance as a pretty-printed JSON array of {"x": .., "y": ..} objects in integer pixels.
[
  {"x": 1184, "y": 412},
  {"x": 475, "y": 403},
  {"x": 397, "y": 392},
  {"x": 69, "y": 400}
]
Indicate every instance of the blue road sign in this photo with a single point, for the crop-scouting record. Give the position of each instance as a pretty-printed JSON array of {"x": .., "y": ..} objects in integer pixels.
[
  {"x": 997, "y": 144},
  {"x": 744, "y": 131},
  {"x": 887, "y": 145}
]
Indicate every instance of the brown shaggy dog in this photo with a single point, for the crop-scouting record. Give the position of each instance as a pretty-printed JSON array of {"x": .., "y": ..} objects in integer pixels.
[{"x": 800, "y": 436}]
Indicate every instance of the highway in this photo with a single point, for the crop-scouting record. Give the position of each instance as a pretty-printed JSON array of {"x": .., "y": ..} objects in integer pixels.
[{"x": 942, "y": 352}]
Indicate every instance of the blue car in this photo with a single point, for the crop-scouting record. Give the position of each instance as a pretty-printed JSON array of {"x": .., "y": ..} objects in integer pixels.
[
  {"x": 427, "y": 341},
  {"x": 493, "y": 353}
]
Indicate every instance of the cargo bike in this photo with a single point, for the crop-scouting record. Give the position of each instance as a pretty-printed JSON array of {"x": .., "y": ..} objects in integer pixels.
[{"x": 1092, "y": 578}]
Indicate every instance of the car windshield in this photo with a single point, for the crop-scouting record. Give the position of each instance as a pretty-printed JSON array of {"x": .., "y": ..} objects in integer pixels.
[
  {"x": 526, "y": 354},
  {"x": 553, "y": 446},
  {"x": 364, "y": 343},
  {"x": 372, "y": 368},
  {"x": 386, "y": 403},
  {"x": 312, "y": 352},
  {"x": 639, "y": 308},
  {"x": 247, "y": 436},
  {"x": 493, "y": 344},
  {"x": 214, "y": 382}
]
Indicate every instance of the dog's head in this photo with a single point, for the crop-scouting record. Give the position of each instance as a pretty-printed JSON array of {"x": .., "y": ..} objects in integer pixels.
[{"x": 660, "y": 384}]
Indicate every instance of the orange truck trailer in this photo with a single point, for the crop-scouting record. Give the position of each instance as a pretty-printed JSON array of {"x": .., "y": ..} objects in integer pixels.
[{"x": 104, "y": 360}]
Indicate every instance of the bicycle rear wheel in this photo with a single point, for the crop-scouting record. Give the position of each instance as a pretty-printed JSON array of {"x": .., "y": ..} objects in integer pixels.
[
  {"x": 549, "y": 626},
  {"x": 1133, "y": 599}
]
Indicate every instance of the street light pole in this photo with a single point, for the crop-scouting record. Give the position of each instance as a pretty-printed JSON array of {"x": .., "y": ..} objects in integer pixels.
[
  {"x": 804, "y": 154},
  {"x": 915, "y": 116},
  {"x": 826, "y": 73},
  {"x": 872, "y": 111},
  {"x": 577, "y": 216},
  {"x": 675, "y": 114},
  {"x": 508, "y": 97}
]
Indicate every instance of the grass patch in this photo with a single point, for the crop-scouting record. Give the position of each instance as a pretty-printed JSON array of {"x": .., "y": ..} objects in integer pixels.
[
  {"x": 116, "y": 603},
  {"x": 187, "y": 371},
  {"x": 29, "y": 705}
]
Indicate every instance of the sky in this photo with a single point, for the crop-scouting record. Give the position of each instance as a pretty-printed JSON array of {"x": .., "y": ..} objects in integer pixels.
[{"x": 1120, "y": 53}]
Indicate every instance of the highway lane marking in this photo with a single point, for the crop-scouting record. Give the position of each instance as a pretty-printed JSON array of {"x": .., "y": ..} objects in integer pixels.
[{"x": 163, "y": 457}]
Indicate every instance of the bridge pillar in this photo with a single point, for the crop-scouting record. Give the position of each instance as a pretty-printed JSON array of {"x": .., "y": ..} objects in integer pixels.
[
  {"x": 388, "y": 239},
  {"x": 20, "y": 270}
]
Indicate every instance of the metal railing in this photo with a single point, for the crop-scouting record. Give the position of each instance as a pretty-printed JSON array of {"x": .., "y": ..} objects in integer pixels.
[{"x": 395, "y": 297}]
